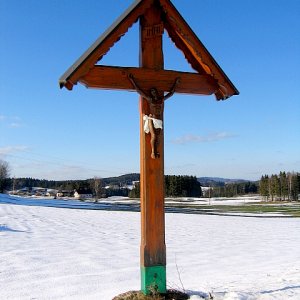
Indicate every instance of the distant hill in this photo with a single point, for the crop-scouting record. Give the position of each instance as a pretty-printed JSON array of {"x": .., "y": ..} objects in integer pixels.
[
  {"x": 121, "y": 180},
  {"x": 204, "y": 181},
  {"x": 218, "y": 181}
]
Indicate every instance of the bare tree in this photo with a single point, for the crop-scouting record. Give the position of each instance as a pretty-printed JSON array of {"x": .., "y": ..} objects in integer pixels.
[
  {"x": 4, "y": 174},
  {"x": 97, "y": 187}
]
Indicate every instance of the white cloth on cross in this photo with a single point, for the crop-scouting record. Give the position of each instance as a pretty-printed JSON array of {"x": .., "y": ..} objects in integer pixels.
[{"x": 156, "y": 123}]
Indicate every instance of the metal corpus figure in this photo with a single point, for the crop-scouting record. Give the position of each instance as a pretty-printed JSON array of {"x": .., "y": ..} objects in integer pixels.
[{"x": 153, "y": 123}]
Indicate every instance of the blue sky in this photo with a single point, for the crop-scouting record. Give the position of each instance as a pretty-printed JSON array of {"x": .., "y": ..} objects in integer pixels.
[{"x": 56, "y": 134}]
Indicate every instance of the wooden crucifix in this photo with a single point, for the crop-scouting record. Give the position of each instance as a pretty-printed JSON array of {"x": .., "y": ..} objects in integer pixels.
[{"x": 155, "y": 85}]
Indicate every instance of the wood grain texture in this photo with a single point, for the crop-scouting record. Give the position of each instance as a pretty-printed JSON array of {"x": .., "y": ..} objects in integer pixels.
[
  {"x": 116, "y": 78},
  {"x": 153, "y": 248}
]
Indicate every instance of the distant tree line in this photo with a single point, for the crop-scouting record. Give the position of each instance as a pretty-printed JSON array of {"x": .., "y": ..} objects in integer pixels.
[
  {"x": 19, "y": 183},
  {"x": 280, "y": 187},
  {"x": 92, "y": 183},
  {"x": 233, "y": 189},
  {"x": 95, "y": 185},
  {"x": 176, "y": 186},
  {"x": 216, "y": 181}
]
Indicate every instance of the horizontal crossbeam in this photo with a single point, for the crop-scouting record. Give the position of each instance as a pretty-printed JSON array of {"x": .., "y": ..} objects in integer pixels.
[{"x": 116, "y": 78}]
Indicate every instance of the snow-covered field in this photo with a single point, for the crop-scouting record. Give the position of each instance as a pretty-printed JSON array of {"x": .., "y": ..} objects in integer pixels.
[{"x": 62, "y": 253}]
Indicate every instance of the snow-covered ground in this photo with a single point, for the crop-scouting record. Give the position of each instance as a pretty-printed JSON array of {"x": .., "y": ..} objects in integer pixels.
[{"x": 62, "y": 253}]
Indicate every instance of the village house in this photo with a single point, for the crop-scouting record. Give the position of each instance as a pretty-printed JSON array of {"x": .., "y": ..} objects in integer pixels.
[
  {"x": 64, "y": 193},
  {"x": 83, "y": 194}
]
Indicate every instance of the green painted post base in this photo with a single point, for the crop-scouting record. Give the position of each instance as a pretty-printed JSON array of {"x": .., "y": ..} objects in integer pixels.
[{"x": 154, "y": 279}]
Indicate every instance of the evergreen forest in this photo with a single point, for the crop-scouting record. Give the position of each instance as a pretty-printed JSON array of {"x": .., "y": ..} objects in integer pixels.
[
  {"x": 280, "y": 187},
  {"x": 176, "y": 186}
]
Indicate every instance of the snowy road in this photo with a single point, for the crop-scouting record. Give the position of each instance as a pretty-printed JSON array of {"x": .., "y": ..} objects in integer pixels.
[{"x": 59, "y": 253}]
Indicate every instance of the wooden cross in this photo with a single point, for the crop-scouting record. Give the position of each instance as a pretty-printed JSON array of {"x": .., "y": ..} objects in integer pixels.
[{"x": 154, "y": 84}]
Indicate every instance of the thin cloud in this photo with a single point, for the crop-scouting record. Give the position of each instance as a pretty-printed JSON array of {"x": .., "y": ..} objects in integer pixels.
[
  {"x": 15, "y": 125},
  {"x": 11, "y": 122},
  {"x": 8, "y": 150},
  {"x": 213, "y": 137}
]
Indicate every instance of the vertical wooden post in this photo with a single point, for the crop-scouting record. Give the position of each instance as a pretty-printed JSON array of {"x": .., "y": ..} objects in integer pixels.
[{"x": 153, "y": 248}]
